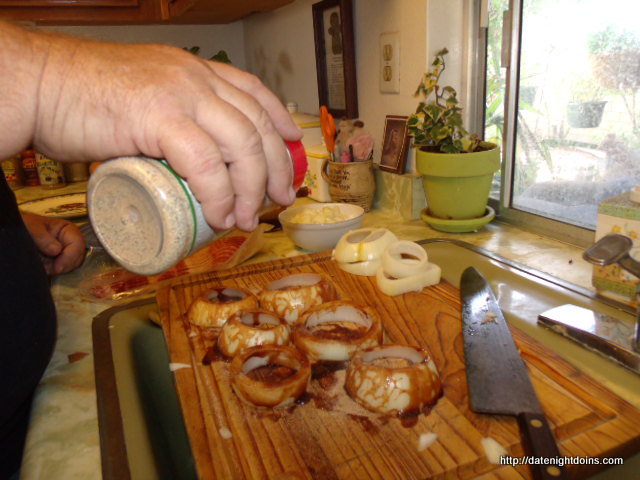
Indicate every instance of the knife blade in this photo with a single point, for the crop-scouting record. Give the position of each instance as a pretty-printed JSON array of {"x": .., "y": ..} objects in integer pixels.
[{"x": 497, "y": 377}]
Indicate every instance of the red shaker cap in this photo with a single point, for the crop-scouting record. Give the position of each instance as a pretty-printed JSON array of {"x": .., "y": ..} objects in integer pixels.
[{"x": 299, "y": 159}]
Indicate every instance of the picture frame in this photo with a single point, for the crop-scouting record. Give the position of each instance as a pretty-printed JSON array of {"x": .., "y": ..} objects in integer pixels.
[
  {"x": 335, "y": 57},
  {"x": 394, "y": 146}
]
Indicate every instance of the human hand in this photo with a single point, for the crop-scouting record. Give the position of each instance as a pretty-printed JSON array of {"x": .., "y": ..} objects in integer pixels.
[
  {"x": 59, "y": 241},
  {"x": 218, "y": 127}
]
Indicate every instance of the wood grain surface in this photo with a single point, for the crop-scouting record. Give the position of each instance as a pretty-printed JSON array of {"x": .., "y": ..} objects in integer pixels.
[{"x": 331, "y": 437}]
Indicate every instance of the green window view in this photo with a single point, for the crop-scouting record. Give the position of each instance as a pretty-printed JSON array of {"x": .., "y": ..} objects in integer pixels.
[{"x": 574, "y": 139}]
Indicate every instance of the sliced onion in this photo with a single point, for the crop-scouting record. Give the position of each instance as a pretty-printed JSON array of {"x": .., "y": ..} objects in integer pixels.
[
  {"x": 255, "y": 327},
  {"x": 366, "y": 269},
  {"x": 214, "y": 307},
  {"x": 335, "y": 330},
  {"x": 414, "y": 283},
  {"x": 493, "y": 450},
  {"x": 394, "y": 379},
  {"x": 404, "y": 259},
  {"x": 362, "y": 245},
  {"x": 426, "y": 440},
  {"x": 290, "y": 296},
  {"x": 275, "y": 389}
]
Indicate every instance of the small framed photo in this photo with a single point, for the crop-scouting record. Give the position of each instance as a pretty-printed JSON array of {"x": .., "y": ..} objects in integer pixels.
[{"x": 394, "y": 146}]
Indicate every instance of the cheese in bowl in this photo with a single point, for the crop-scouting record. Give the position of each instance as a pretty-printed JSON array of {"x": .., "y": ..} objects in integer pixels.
[
  {"x": 315, "y": 216},
  {"x": 317, "y": 227}
]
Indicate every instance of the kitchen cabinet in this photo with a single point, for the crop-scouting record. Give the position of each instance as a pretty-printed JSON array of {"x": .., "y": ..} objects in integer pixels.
[{"x": 127, "y": 12}]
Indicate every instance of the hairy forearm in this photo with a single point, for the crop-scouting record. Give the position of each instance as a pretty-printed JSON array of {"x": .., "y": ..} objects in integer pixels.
[{"x": 22, "y": 58}]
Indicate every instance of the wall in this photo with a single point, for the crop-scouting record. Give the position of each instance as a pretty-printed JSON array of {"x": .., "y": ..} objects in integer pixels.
[
  {"x": 210, "y": 38},
  {"x": 280, "y": 49}
]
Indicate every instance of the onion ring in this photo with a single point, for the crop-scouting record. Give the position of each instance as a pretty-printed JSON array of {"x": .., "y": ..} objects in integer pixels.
[
  {"x": 270, "y": 375},
  {"x": 394, "y": 379},
  {"x": 248, "y": 329},
  {"x": 404, "y": 259},
  {"x": 366, "y": 269},
  {"x": 333, "y": 331},
  {"x": 362, "y": 245},
  {"x": 214, "y": 307},
  {"x": 414, "y": 283},
  {"x": 291, "y": 296}
]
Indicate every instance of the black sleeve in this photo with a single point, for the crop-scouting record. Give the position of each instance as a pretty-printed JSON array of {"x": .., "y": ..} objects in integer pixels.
[{"x": 27, "y": 328}]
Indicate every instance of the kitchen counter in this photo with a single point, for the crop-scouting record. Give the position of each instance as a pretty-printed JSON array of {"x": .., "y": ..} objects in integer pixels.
[{"x": 63, "y": 439}]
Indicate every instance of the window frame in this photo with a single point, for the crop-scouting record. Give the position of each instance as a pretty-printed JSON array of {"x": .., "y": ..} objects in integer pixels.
[{"x": 511, "y": 53}]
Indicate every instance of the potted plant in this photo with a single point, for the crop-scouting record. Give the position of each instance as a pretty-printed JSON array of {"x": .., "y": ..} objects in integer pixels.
[
  {"x": 585, "y": 108},
  {"x": 457, "y": 168}
]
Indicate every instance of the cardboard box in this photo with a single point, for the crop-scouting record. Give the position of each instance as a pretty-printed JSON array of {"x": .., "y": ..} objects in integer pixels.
[
  {"x": 403, "y": 194},
  {"x": 618, "y": 215}
]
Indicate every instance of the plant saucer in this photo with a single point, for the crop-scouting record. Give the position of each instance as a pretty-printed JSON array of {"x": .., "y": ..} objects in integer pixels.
[{"x": 459, "y": 226}]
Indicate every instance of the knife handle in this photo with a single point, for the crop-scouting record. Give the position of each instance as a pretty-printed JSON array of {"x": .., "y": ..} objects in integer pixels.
[{"x": 540, "y": 443}]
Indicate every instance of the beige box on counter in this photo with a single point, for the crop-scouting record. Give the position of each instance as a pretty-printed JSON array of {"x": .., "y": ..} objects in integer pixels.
[{"x": 618, "y": 215}]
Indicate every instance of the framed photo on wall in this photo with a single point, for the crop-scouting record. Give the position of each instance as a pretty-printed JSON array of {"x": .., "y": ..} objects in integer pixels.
[
  {"x": 395, "y": 143},
  {"x": 335, "y": 57}
]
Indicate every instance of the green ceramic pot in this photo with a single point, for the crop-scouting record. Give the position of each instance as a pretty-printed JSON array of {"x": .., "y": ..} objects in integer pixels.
[{"x": 457, "y": 185}]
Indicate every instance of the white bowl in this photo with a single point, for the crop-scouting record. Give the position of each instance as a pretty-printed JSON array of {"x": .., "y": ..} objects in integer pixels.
[{"x": 320, "y": 236}]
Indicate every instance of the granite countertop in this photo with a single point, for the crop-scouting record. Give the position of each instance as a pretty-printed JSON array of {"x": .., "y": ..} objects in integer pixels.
[{"x": 63, "y": 439}]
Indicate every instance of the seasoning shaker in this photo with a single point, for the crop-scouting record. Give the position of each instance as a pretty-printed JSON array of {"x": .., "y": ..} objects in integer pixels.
[{"x": 145, "y": 215}]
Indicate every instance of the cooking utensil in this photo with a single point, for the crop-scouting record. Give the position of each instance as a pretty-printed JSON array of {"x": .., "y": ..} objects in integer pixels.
[
  {"x": 615, "y": 338},
  {"x": 606, "y": 335},
  {"x": 328, "y": 126},
  {"x": 496, "y": 375}
]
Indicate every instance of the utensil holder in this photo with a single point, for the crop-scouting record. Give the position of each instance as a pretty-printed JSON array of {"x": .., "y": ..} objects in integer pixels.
[{"x": 351, "y": 182}]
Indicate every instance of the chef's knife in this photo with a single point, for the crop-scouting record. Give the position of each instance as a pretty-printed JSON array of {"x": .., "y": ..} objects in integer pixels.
[{"x": 497, "y": 377}]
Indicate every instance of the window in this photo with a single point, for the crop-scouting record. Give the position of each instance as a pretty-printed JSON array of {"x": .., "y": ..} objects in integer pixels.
[{"x": 561, "y": 83}]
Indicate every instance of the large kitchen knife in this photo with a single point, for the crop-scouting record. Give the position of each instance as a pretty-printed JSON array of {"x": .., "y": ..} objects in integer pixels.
[{"x": 497, "y": 377}]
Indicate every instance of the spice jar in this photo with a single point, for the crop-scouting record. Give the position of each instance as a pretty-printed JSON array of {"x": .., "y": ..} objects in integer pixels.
[
  {"x": 12, "y": 168},
  {"x": 50, "y": 172},
  {"x": 76, "y": 172},
  {"x": 30, "y": 168},
  {"x": 145, "y": 215}
]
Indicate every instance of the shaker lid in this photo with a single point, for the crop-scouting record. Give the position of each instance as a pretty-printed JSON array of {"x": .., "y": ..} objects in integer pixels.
[{"x": 140, "y": 214}]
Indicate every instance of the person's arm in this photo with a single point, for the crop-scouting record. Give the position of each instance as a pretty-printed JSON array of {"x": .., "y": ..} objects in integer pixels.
[
  {"x": 60, "y": 242},
  {"x": 218, "y": 127}
]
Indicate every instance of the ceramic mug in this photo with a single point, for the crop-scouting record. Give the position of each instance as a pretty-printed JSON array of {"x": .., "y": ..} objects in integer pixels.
[{"x": 351, "y": 182}]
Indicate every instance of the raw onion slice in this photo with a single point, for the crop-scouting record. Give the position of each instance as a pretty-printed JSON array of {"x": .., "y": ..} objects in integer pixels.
[
  {"x": 248, "y": 329},
  {"x": 335, "y": 330},
  {"x": 291, "y": 296},
  {"x": 393, "y": 379},
  {"x": 270, "y": 375},
  {"x": 414, "y": 283},
  {"x": 214, "y": 307},
  {"x": 362, "y": 245},
  {"x": 366, "y": 269},
  {"x": 404, "y": 259}
]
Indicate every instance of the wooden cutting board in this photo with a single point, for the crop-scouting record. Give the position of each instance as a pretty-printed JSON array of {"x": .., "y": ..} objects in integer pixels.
[{"x": 330, "y": 437}]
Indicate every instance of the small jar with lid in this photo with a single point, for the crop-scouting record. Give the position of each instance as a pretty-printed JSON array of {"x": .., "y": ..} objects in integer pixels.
[
  {"x": 50, "y": 172},
  {"x": 12, "y": 168},
  {"x": 145, "y": 215},
  {"x": 30, "y": 167}
]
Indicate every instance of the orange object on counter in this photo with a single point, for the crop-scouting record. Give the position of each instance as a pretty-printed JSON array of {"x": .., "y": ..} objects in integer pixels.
[{"x": 93, "y": 166}]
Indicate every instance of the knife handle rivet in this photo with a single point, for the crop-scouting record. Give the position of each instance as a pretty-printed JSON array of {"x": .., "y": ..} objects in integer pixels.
[
  {"x": 554, "y": 471},
  {"x": 535, "y": 423}
]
